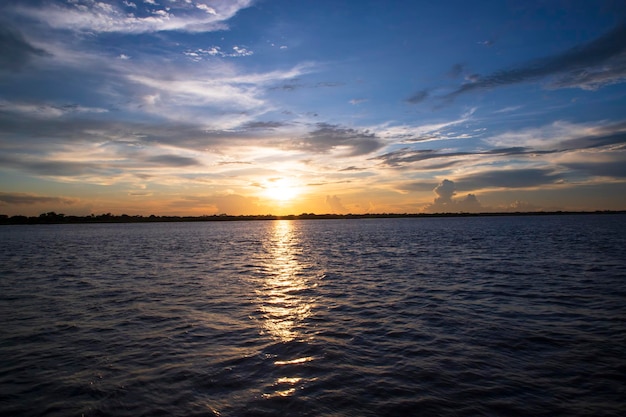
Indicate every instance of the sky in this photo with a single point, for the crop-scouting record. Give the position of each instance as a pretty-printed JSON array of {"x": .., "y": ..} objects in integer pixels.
[{"x": 202, "y": 107}]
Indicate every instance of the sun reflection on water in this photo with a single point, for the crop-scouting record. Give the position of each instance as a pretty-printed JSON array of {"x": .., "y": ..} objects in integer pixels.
[
  {"x": 282, "y": 297},
  {"x": 285, "y": 299}
]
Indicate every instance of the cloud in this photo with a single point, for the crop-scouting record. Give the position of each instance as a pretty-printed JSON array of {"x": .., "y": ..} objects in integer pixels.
[
  {"x": 201, "y": 53},
  {"x": 46, "y": 110},
  {"x": 52, "y": 168},
  {"x": 592, "y": 65},
  {"x": 90, "y": 16},
  {"x": 445, "y": 190},
  {"x": 409, "y": 156},
  {"x": 260, "y": 125},
  {"x": 327, "y": 138},
  {"x": 563, "y": 135},
  {"x": 456, "y": 70},
  {"x": 30, "y": 199},
  {"x": 15, "y": 51},
  {"x": 335, "y": 204},
  {"x": 509, "y": 178},
  {"x": 616, "y": 169},
  {"x": 418, "y": 97},
  {"x": 356, "y": 101},
  {"x": 446, "y": 203},
  {"x": 173, "y": 161},
  {"x": 192, "y": 91},
  {"x": 423, "y": 132}
]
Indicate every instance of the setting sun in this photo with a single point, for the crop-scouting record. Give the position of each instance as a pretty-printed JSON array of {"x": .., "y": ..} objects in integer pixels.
[{"x": 281, "y": 189}]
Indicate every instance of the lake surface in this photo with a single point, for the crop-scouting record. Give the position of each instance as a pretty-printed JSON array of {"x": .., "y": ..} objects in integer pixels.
[{"x": 480, "y": 316}]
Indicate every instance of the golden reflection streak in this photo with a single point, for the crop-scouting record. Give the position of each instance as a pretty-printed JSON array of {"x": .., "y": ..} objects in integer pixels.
[
  {"x": 283, "y": 301},
  {"x": 284, "y": 308}
]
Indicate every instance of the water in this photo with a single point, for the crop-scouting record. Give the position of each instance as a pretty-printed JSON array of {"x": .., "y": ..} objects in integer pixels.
[{"x": 494, "y": 316}]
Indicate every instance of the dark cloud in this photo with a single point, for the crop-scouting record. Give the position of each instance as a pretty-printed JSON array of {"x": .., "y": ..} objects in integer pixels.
[
  {"x": 418, "y": 97},
  {"x": 587, "y": 62},
  {"x": 173, "y": 161},
  {"x": 287, "y": 87},
  {"x": 328, "y": 137},
  {"x": 15, "y": 51},
  {"x": 446, "y": 203},
  {"x": 29, "y": 199},
  {"x": 615, "y": 169},
  {"x": 456, "y": 71},
  {"x": 445, "y": 190},
  {"x": 263, "y": 125},
  {"x": 612, "y": 134},
  {"x": 330, "y": 84},
  {"x": 45, "y": 167},
  {"x": 509, "y": 178},
  {"x": 408, "y": 156}
]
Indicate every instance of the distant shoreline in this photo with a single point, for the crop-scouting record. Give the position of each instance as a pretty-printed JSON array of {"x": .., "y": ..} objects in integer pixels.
[{"x": 54, "y": 218}]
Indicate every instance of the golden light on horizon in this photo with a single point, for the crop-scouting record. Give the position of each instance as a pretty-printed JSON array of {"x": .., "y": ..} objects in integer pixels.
[{"x": 281, "y": 190}]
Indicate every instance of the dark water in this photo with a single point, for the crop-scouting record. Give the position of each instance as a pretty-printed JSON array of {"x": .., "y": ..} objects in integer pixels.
[{"x": 506, "y": 316}]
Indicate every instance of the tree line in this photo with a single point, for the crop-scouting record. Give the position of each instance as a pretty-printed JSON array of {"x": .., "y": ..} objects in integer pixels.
[{"x": 60, "y": 218}]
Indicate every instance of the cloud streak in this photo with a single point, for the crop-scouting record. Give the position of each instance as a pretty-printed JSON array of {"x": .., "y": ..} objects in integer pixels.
[
  {"x": 111, "y": 16},
  {"x": 589, "y": 66},
  {"x": 15, "y": 51},
  {"x": 30, "y": 199}
]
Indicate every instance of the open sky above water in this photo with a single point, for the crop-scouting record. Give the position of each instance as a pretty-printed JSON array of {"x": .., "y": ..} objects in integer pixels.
[{"x": 195, "y": 107}]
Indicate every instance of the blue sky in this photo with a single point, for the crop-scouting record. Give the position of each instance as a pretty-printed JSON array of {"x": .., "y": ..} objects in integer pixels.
[{"x": 255, "y": 107}]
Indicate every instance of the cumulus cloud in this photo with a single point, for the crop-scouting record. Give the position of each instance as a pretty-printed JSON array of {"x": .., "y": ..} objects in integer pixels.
[
  {"x": 334, "y": 202},
  {"x": 445, "y": 202},
  {"x": 592, "y": 65},
  {"x": 15, "y": 51}
]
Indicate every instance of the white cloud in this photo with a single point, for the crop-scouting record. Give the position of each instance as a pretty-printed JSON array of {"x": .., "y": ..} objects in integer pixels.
[
  {"x": 206, "y": 8},
  {"x": 89, "y": 16},
  {"x": 508, "y": 109},
  {"x": 213, "y": 51},
  {"x": 422, "y": 133},
  {"x": 546, "y": 136}
]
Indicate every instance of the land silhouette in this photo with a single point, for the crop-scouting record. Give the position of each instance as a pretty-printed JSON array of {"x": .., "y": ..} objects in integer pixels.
[{"x": 60, "y": 218}]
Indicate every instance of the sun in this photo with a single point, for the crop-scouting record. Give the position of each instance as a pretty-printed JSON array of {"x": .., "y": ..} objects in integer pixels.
[{"x": 281, "y": 189}]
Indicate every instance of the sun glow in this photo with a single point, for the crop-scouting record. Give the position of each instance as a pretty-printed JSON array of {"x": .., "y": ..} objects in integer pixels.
[{"x": 281, "y": 189}]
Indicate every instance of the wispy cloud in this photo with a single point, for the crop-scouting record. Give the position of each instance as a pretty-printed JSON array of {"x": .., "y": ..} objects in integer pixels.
[
  {"x": 216, "y": 51},
  {"x": 418, "y": 97},
  {"x": 349, "y": 142},
  {"x": 592, "y": 65},
  {"x": 92, "y": 16},
  {"x": 29, "y": 199},
  {"x": 15, "y": 51},
  {"x": 46, "y": 110},
  {"x": 509, "y": 178}
]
